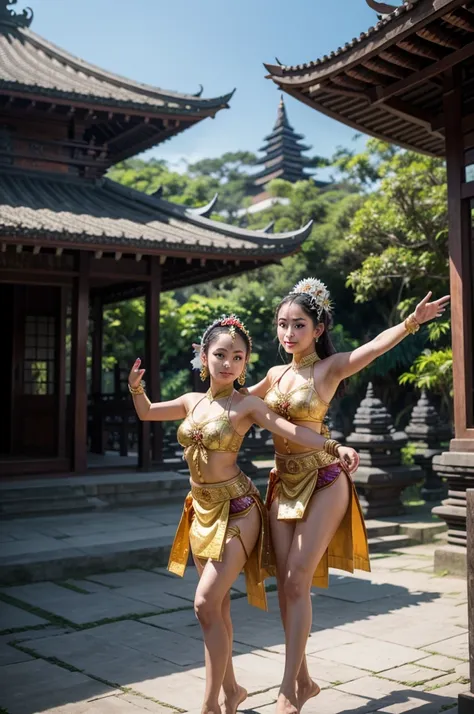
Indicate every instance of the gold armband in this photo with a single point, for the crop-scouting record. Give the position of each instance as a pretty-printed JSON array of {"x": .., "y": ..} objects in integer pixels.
[
  {"x": 411, "y": 324},
  {"x": 331, "y": 446},
  {"x": 137, "y": 390}
]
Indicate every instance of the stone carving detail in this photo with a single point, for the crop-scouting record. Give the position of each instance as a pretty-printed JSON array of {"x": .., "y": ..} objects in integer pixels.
[
  {"x": 381, "y": 477},
  {"x": 427, "y": 432}
]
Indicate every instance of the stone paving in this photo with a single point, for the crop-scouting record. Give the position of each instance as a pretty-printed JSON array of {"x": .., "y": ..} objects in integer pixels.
[{"x": 391, "y": 641}]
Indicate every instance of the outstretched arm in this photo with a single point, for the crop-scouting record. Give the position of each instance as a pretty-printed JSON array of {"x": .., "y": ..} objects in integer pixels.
[
  {"x": 264, "y": 417},
  {"x": 158, "y": 411},
  {"x": 346, "y": 364}
]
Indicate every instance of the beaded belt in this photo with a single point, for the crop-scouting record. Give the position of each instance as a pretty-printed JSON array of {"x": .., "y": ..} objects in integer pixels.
[
  {"x": 297, "y": 463},
  {"x": 224, "y": 491}
]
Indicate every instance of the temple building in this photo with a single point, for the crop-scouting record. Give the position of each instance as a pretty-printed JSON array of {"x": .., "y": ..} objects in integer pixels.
[
  {"x": 73, "y": 241},
  {"x": 282, "y": 158},
  {"x": 410, "y": 80}
]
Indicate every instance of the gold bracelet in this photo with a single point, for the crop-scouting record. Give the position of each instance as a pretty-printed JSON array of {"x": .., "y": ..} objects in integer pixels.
[
  {"x": 331, "y": 446},
  {"x": 137, "y": 390},
  {"x": 411, "y": 324}
]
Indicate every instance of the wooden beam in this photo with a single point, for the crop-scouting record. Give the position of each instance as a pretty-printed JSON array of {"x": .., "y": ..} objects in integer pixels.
[
  {"x": 420, "y": 48},
  {"x": 466, "y": 701},
  {"x": 96, "y": 372},
  {"x": 404, "y": 26},
  {"x": 61, "y": 374},
  {"x": 459, "y": 226},
  {"x": 441, "y": 37},
  {"x": 80, "y": 315},
  {"x": 380, "y": 94},
  {"x": 467, "y": 190},
  {"x": 152, "y": 334},
  {"x": 416, "y": 115},
  {"x": 461, "y": 18},
  {"x": 346, "y": 120}
]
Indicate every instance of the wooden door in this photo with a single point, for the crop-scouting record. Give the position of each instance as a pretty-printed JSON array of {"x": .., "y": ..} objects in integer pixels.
[{"x": 35, "y": 370}]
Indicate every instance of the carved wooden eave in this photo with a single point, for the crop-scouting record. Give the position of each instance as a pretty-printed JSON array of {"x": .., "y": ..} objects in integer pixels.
[{"x": 388, "y": 81}]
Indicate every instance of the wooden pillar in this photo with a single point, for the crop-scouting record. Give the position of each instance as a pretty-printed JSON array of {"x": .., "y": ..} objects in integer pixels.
[
  {"x": 97, "y": 446},
  {"x": 80, "y": 315},
  {"x": 457, "y": 465},
  {"x": 460, "y": 246},
  {"x": 61, "y": 373},
  {"x": 466, "y": 701},
  {"x": 152, "y": 347},
  {"x": 152, "y": 365}
]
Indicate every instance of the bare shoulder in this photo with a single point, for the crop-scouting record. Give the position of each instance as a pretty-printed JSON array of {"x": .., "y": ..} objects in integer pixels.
[
  {"x": 245, "y": 402},
  {"x": 190, "y": 399},
  {"x": 275, "y": 372}
]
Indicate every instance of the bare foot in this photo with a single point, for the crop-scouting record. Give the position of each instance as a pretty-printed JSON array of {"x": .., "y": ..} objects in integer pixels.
[
  {"x": 229, "y": 702},
  {"x": 307, "y": 691},
  {"x": 287, "y": 705}
]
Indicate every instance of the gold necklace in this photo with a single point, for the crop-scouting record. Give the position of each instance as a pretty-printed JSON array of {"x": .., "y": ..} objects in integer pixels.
[
  {"x": 305, "y": 362},
  {"x": 225, "y": 392}
]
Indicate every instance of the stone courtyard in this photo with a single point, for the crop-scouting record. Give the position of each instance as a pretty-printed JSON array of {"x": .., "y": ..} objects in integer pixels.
[{"x": 392, "y": 641}]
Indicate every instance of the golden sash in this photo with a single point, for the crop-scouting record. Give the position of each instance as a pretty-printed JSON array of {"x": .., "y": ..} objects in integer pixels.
[
  {"x": 203, "y": 528},
  {"x": 293, "y": 482}
]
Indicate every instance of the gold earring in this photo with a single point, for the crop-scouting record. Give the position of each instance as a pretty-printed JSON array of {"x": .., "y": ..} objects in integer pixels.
[
  {"x": 204, "y": 373},
  {"x": 241, "y": 379}
]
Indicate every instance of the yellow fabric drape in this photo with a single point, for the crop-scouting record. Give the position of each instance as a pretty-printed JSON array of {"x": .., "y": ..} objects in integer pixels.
[
  {"x": 203, "y": 528},
  {"x": 293, "y": 482}
]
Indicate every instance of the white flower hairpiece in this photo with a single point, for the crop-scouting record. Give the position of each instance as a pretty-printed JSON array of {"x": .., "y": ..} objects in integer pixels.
[
  {"x": 197, "y": 361},
  {"x": 316, "y": 291}
]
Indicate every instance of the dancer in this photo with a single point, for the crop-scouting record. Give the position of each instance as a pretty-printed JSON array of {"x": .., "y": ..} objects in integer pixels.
[
  {"x": 315, "y": 517},
  {"x": 224, "y": 520}
]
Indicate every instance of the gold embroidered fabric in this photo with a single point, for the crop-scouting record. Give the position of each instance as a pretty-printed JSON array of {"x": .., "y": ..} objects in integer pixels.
[
  {"x": 293, "y": 482},
  {"x": 300, "y": 404},
  {"x": 204, "y": 527},
  {"x": 297, "y": 480},
  {"x": 215, "y": 434}
]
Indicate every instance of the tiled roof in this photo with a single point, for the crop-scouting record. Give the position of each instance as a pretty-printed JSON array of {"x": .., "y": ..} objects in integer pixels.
[
  {"x": 31, "y": 64},
  {"x": 382, "y": 23},
  {"x": 66, "y": 210}
]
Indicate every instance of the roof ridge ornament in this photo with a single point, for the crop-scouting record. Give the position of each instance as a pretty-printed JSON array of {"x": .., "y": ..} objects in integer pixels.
[
  {"x": 381, "y": 7},
  {"x": 10, "y": 17}
]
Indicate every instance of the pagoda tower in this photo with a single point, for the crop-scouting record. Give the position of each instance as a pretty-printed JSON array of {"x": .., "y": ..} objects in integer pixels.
[{"x": 283, "y": 153}]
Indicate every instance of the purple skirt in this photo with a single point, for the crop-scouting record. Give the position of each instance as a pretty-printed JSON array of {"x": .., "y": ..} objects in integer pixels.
[
  {"x": 327, "y": 475},
  {"x": 237, "y": 505}
]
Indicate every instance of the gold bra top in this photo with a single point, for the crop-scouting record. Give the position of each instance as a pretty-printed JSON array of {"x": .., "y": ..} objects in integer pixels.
[
  {"x": 215, "y": 434},
  {"x": 300, "y": 404}
]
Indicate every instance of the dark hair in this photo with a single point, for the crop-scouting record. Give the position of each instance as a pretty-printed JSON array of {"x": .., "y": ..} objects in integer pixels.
[
  {"x": 324, "y": 345},
  {"x": 213, "y": 332}
]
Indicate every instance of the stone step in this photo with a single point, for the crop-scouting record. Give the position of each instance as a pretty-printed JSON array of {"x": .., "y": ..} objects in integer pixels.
[
  {"x": 89, "y": 493},
  {"x": 387, "y": 543}
]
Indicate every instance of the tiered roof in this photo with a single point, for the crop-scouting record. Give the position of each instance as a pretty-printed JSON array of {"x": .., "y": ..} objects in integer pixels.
[
  {"x": 386, "y": 82},
  {"x": 66, "y": 203},
  {"x": 283, "y": 152},
  {"x": 123, "y": 117},
  {"x": 102, "y": 215}
]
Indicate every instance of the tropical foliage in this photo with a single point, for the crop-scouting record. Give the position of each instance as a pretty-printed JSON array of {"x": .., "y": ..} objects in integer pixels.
[{"x": 379, "y": 241}]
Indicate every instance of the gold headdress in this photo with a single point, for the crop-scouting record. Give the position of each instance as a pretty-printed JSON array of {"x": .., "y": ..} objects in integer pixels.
[
  {"x": 317, "y": 293},
  {"x": 230, "y": 321}
]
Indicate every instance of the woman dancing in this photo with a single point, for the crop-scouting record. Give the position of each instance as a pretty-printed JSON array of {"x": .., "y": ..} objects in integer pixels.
[
  {"x": 223, "y": 518},
  {"x": 315, "y": 516}
]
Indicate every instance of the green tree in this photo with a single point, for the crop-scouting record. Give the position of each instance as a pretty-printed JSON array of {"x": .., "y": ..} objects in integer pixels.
[{"x": 400, "y": 232}]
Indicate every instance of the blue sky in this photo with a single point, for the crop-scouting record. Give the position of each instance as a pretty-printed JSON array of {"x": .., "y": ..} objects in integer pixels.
[{"x": 179, "y": 44}]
